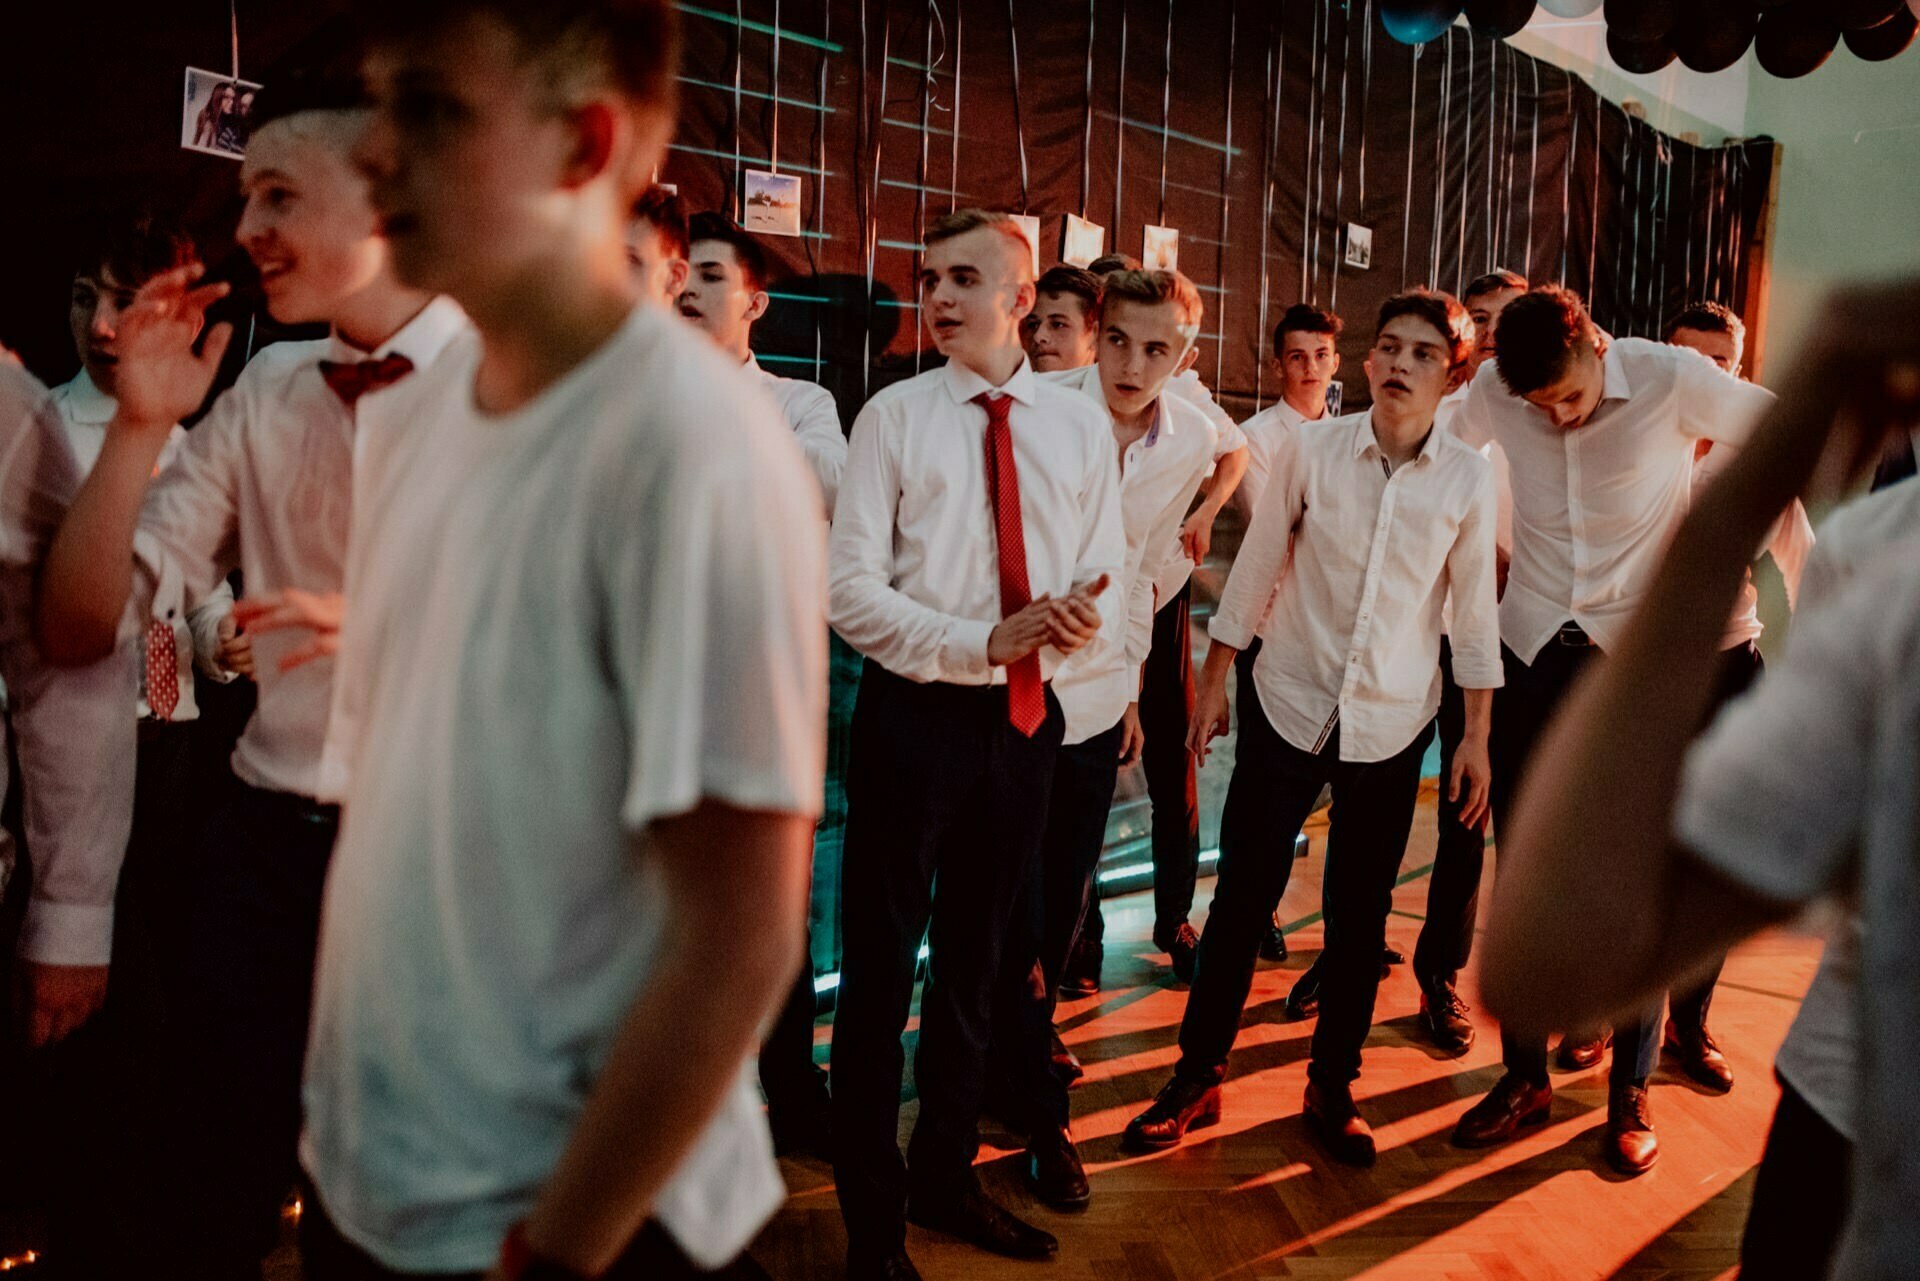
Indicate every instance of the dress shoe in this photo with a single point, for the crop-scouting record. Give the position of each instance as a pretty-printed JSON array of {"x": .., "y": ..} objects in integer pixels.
[
  {"x": 1273, "y": 945},
  {"x": 1180, "y": 1106},
  {"x": 1632, "y": 1146},
  {"x": 1337, "y": 1123},
  {"x": 1081, "y": 977},
  {"x": 1443, "y": 1017},
  {"x": 1579, "y": 1052},
  {"x": 1054, "y": 1170},
  {"x": 1391, "y": 955},
  {"x": 1512, "y": 1103},
  {"x": 1303, "y": 999},
  {"x": 1181, "y": 947},
  {"x": 978, "y": 1219},
  {"x": 881, "y": 1267},
  {"x": 1700, "y": 1058},
  {"x": 1065, "y": 1065}
]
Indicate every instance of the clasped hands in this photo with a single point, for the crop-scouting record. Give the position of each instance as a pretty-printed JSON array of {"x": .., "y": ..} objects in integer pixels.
[{"x": 1066, "y": 622}]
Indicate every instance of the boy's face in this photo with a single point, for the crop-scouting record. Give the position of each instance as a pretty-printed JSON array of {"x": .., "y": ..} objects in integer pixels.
[
  {"x": 93, "y": 317},
  {"x": 1485, "y": 310},
  {"x": 1308, "y": 363},
  {"x": 658, "y": 273},
  {"x": 1058, "y": 333},
  {"x": 974, "y": 295},
  {"x": 1722, "y": 349},
  {"x": 1411, "y": 366},
  {"x": 718, "y": 298},
  {"x": 1141, "y": 346},
  {"x": 308, "y": 225},
  {"x": 1570, "y": 402}
]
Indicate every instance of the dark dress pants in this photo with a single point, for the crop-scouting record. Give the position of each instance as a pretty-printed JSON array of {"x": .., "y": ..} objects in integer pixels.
[
  {"x": 1800, "y": 1196},
  {"x": 1459, "y": 855},
  {"x": 946, "y": 806},
  {"x": 1274, "y": 788},
  {"x": 1522, "y": 709},
  {"x": 1166, "y": 706}
]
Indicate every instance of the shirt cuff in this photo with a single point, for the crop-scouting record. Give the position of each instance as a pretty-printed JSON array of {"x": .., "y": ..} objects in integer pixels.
[
  {"x": 67, "y": 933},
  {"x": 964, "y": 651},
  {"x": 1232, "y": 634}
]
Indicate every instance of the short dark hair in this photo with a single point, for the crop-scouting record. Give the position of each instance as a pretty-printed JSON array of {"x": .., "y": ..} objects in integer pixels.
[
  {"x": 1151, "y": 288},
  {"x": 1076, "y": 282},
  {"x": 1497, "y": 281},
  {"x": 133, "y": 248},
  {"x": 1303, "y": 319},
  {"x": 1107, "y": 264},
  {"x": 1443, "y": 311},
  {"x": 666, "y": 213},
  {"x": 1537, "y": 336},
  {"x": 752, "y": 259},
  {"x": 1708, "y": 318}
]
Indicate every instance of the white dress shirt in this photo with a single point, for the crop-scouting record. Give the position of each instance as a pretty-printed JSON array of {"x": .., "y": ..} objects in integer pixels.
[
  {"x": 1353, "y": 636},
  {"x": 266, "y": 483},
  {"x": 1159, "y": 475},
  {"x": 810, "y": 411},
  {"x": 1227, "y": 437},
  {"x": 1264, "y": 432},
  {"x": 85, "y": 411},
  {"x": 587, "y": 615},
  {"x": 1789, "y": 542},
  {"x": 1594, "y": 508},
  {"x": 1444, "y": 419},
  {"x": 914, "y": 558},
  {"x": 72, "y": 734}
]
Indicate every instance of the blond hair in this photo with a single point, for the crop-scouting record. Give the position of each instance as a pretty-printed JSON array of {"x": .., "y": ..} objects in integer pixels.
[
  {"x": 1151, "y": 288},
  {"x": 961, "y": 221}
]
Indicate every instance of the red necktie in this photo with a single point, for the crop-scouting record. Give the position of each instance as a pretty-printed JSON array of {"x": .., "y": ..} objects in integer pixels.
[
  {"x": 1026, "y": 698},
  {"x": 163, "y": 670},
  {"x": 351, "y": 380}
]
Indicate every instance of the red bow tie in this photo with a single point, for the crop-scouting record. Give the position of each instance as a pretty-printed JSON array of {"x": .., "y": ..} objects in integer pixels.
[{"x": 351, "y": 381}]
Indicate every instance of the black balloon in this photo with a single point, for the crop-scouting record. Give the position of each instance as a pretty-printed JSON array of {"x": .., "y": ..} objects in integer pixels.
[
  {"x": 1642, "y": 57},
  {"x": 1795, "y": 40},
  {"x": 1715, "y": 34},
  {"x": 1858, "y": 15},
  {"x": 1888, "y": 40},
  {"x": 1499, "y": 18},
  {"x": 1642, "y": 19}
]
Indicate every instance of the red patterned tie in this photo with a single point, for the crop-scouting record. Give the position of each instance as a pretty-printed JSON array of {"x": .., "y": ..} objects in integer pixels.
[
  {"x": 163, "y": 670},
  {"x": 352, "y": 380},
  {"x": 1026, "y": 698}
]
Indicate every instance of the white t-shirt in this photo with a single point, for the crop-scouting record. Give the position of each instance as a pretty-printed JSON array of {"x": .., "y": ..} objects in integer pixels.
[{"x": 588, "y": 614}]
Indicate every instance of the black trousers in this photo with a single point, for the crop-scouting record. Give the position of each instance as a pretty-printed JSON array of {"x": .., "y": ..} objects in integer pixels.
[
  {"x": 1273, "y": 790},
  {"x": 1048, "y": 921},
  {"x": 252, "y": 886},
  {"x": 1800, "y": 1196},
  {"x": 1459, "y": 854},
  {"x": 1166, "y": 705},
  {"x": 946, "y": 805},
  {"x": 325, "y": 1255}
]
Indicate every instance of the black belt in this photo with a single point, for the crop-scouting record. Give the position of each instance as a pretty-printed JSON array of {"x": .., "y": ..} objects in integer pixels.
[{"x": 1571, "y": 634}]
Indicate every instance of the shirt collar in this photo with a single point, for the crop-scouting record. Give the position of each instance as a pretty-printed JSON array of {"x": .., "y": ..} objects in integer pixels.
[
  {"x": 420, "y": 340},
  {"x": 963, "y": 384},
  {"x": 752, "y": 365},
  {"x": 1363, "y": 438},
  {"x": 1615, "y": 384},
  {"x": 85, "y": 402}
]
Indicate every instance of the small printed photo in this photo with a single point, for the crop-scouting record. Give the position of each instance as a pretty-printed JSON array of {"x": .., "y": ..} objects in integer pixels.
[
  {"x": 1084, "y": 241},
  {"x": 214, "y": 113},
  {"x": 1160, "y": 249},
  {"x": 1359, "y": 246},
  {"x": 1030, "y": 225},
  {"x": 772, "y": 203}
]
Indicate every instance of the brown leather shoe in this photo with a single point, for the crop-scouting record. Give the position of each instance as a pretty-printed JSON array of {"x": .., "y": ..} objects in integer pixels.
[
  {"x": 1054, "y": 1171},
  {"x": 1180, "y": 1106},
  {"x": 1631, "y": 1145},
  {"x": 1337, "y": 1123},
  {"x": 977, "y": 1218},
  {"x": 1509, "y": 1105},
  {"x": 1066, "y": 1065},
  {"x": 1578, "y": 1053},
  {"x": 1700, "y": 1057}
]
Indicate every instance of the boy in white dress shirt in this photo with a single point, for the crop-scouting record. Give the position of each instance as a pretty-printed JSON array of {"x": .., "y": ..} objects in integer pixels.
[
  {"x": 1061, "y": 331},
  {"x": 1369, "y": 523},
  {"x": 1306, "y": 351},
  {"x": 657, "y": 245},
  {"x": 267, "y": 483},
  {"x": 975, "y": 545}
]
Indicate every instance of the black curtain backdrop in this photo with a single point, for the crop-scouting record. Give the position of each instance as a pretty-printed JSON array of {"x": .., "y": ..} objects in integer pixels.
[{"x": 1258, "y": 130}]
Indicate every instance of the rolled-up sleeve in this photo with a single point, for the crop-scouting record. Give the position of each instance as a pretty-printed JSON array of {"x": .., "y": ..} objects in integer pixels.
[
  {"x": 1471, "y": 578},
  {"x": 1263, "y": 554}
]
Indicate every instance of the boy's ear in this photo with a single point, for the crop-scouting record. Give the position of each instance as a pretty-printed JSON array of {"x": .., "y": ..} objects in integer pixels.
[{"x": 1189, "y": 360}]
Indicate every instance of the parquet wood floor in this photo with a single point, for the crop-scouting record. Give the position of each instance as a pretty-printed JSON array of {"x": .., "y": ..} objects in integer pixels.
[{"x": 1256, "y": 1198}]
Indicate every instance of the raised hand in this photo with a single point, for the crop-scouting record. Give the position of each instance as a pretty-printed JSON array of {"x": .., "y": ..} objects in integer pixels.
[{"x": 161, "y": 379}]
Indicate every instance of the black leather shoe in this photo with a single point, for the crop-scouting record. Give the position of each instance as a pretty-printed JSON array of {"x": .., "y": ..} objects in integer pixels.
[
  {"x": 1631, "y": 1145},
  {"x": 1700, "y": 1058},
  {"x": 1181, "y": 947},
  {"x": 1337, "y": 1123},
  {"x": 1509, "y": 1105},
  {"x": 1443, "y": 1017},
  {"x": 1577, "y": 1053},
  {"x": 1065, "y": 1065},
  {"x": 1273, "y": 945},
  {"x": 1303, "y": 1000},
  {"x": 1180, "y": 1106},
  {"x": 978, "y": 1219},
  {"x": 1054, "y": 1170},
  {"x": 1081, "y": 977},
  {"x": 1390, "y": 955},
  {"x": 881, "y": 1267}
]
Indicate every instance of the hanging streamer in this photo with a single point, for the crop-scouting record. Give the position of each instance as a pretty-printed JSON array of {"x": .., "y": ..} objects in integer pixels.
[
  {"x": 924, "y": 177},
  {"x": 233, "y": 36},
  {"x": 870, "y": 230},
  {"x": 1309, "y": 208},
  {"x": 1566, "y": 179},
  {"x": 1340, "y": 164},
  {"x": 1226, "y": 203},
  {"x": 820, "y": 184},
  {"x": 1366, "y": 95},
  {"x": 953, "y": 155},
  {"x": 1119, "y": 132},
  {"x": 1440, "y": 162},
  {"x": 1276, "y": 54},
  {"x": 1466, "y": 175},
  {"x": 1493, "y": 150},
  {"x": 1533, "y": 164},
  {"x": 1019, "y": 129},
  {"x": 1593, "y": 248},
  {"x": 773, "y": 128},
  {"x": 1086, "y": 131},
  {"x": 1166, "y": 115},
  {"x": 739, "y": 61},
  {"x": 1406, "y": 213}
]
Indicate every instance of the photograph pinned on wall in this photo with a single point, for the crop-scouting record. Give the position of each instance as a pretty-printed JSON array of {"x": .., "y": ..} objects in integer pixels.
[
  {"x": 1030, "y": 226},
  {"x": 1160, "y": 249},
  {"x": 1359, "y": 246},
  {"x": 772, "y": 203},
  {"x": 214, "y": 112},
  {"x": 1083, "y": 241},
  {"x": 1335, "y": 395}
]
